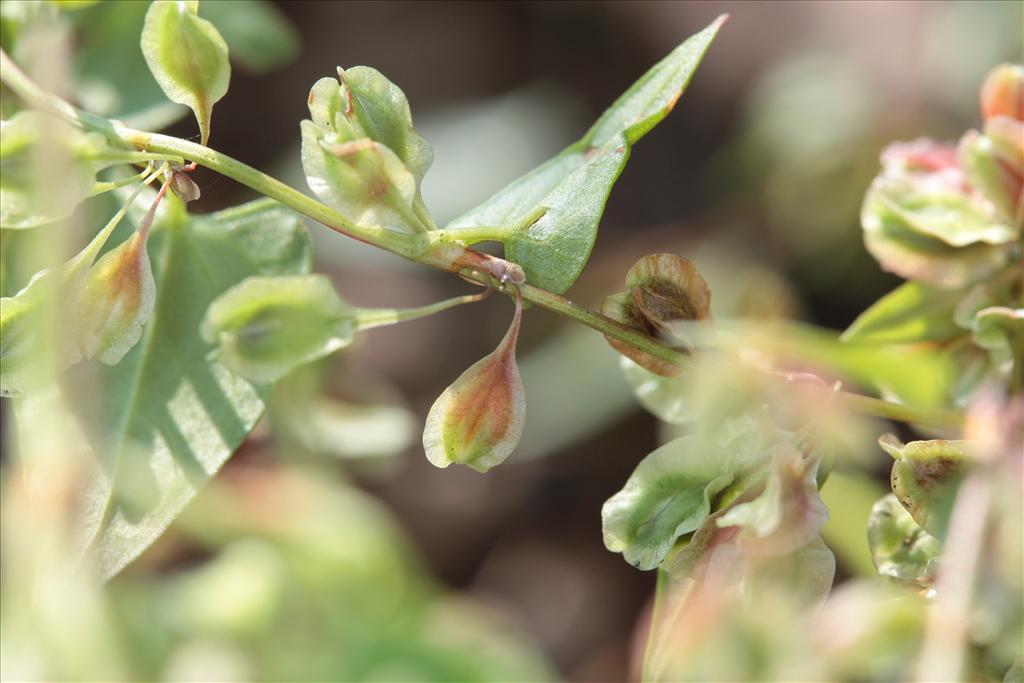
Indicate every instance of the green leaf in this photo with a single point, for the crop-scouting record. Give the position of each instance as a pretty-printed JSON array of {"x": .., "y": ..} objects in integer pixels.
[
  {"x": 925, "y": 477},
  {"x": 265, "y": 327},
  {"x": 187, "y": 56},
  {"x": 171, "y": 414},
  {"x": 574, "y": 185},
  {"x": 361, "y": 154},
  {"x": 913, "y": 312},
  {"x": 899, "y": 547},
  {"x": 670, "y": 493}
]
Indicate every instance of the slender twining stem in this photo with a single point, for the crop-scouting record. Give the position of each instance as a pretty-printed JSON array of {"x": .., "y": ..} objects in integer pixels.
[
  {"x": 368, "y": 318},
  {"x": 444, "y": 249}
]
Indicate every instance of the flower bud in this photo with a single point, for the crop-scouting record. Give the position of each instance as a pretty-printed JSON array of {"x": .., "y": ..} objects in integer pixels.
[
  {"x": 1002, "y": 94},
  {"x": 478, "y": 420},
  {"x": 112, "y": 303}
]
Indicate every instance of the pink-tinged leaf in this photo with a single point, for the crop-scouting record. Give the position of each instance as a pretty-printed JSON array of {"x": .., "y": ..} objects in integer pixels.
[
  {"x": 478, "y": 420},
  {"x": 788, "y": 514}
]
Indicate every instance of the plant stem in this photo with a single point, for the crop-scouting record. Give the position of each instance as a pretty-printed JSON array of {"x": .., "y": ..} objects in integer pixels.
[
  {"x": 441, "y": 249},
  {"x": 368, "y": 318}
]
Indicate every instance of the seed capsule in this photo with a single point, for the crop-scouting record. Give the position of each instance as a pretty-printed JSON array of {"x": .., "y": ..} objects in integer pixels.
[{"x": 478, "y": 420}]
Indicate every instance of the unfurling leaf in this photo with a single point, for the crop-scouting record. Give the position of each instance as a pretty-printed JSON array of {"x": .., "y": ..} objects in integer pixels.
[
  {"x": 925, "y": 477},
  {"x": 1002, "y": 93},
  {"x": 265, "y": 327},
  {"x": 574, "y": 185},
  {"x": 789, "y": 513},
  {"x": 664, "y": 289},
  {"x": 361, "y": 154},
  {"x": 899, "y": 547},
  {"x": 922, "y": 222},
  {"x": 187, "y": 56},
  {"x": 671, "y": 491},
  {"x": 478, "y": 420}
]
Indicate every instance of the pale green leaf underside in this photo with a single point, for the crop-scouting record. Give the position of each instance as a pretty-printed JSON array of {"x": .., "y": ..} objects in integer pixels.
[
  {"x": 574, "y": 185},
  {"x": 171, "y": 415},
  {"x": 668, "y": 495}
]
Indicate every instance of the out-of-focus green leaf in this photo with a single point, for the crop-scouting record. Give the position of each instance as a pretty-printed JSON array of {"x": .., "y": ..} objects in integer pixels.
[
  {"x": 265, "y": 327},
  {"x": 361, "y": 154},
  {"x": 171, "y": 415},
  {"x": 849, "y": 496},
  {"x": 913, "y": 312},
  {"x": 913, "y": 374},
  {"x": 23, "y": 203},
  {"x": 665, "y": 397},
  {"x": 302, "y": 413},
  {"x": 900, "y": 548},
  {"x": 574, "y": 185},
  {"x": 103, "y": 306},
  {"x": 925, "y": 477},
  {"x": 921, "y": 223},
  {"x": 187, "y": 56},
  {"x": 1000, "y": 328},
  {"x": 258, "y": 35}
]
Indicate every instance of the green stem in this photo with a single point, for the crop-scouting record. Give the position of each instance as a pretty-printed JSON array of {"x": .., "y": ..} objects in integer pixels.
[
  {"x": 446, "y": 250},
  {"x": 368, "y": 318}
]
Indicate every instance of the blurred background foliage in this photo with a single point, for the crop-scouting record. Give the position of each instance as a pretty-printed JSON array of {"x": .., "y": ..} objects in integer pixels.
[{"x": 329, "y": 549}]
